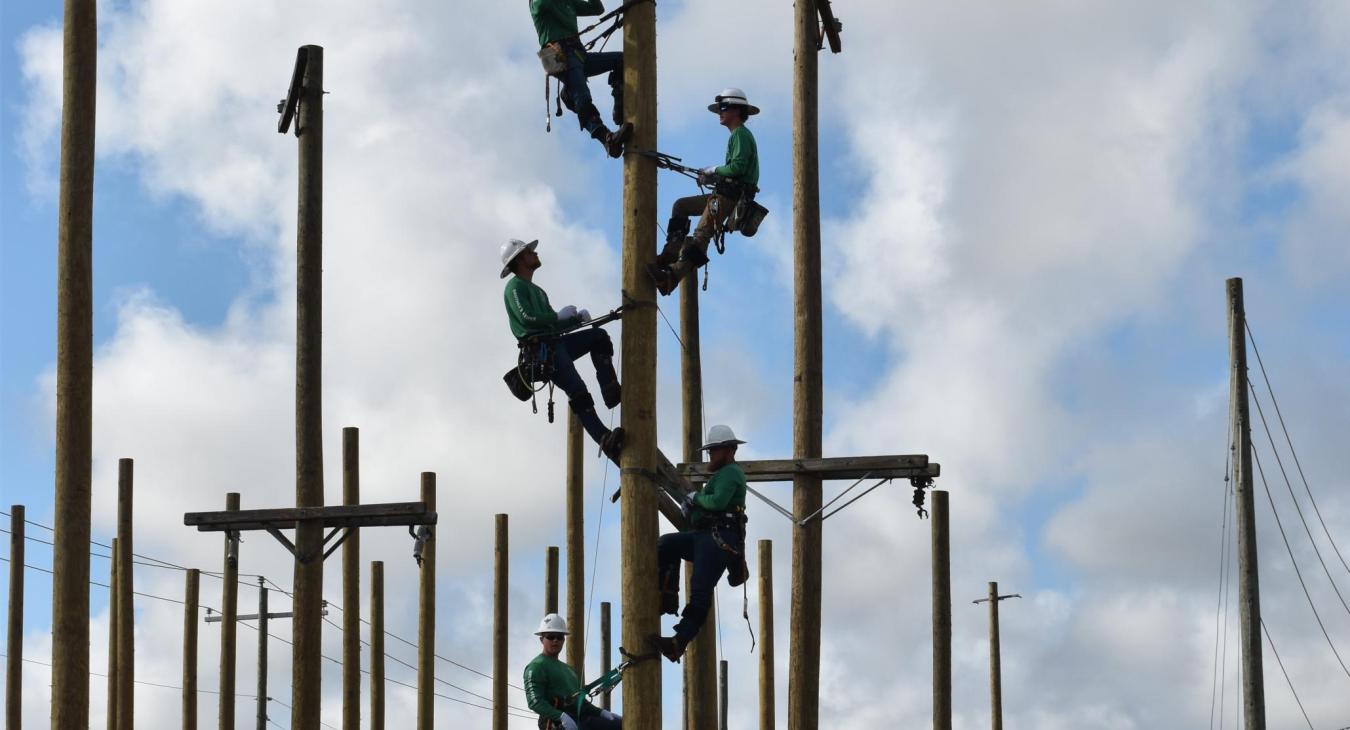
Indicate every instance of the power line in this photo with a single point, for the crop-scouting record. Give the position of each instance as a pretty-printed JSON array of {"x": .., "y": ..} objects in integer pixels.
[
  {"x": 1279, "y": 661},
  {"x": 1219, "y": 602}
]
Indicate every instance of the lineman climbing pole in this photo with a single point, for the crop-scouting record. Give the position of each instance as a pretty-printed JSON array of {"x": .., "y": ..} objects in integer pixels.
[{"x": 642, "y": 682}]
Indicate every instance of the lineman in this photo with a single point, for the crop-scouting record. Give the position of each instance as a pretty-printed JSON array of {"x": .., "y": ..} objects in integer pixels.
[
  {"x": 738, "y": 177},
  {"x": 714, "y": 541},
  {"x": 530, "y": 315},
  {"x": 551, "y": 687},
  {"x": 565, "y": 57}
]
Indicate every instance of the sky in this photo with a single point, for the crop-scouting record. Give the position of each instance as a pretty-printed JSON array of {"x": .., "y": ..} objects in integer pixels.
[{"x": 1028, "y": 215}]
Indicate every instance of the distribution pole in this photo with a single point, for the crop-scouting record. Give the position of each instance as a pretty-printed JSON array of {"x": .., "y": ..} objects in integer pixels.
[
  {"x": 576, "y": 548},
  {"x": 114, "y": 625},
  {"x": 307, "y": 625},
  {"x": 723, "y": 699},
  {"x": 126, "y": 612},
  {"x": 191, "y": 595},
  {"x": 426, "y": 616},
  {"x": 499, "y": 620},
  {"x": 804, "y": 628},
  {"x": 14, "y": 634},
  {"x": 1249, "y": 590},
  {"x": 377, "y": 645},
  {"x": 942, "y": 615},
  {"x": 700, "y": 657},
  {"x": 351, "y": 585},
  {"x": 766, "y": 709},
  {"x": 262, "y": 655},
  {"x": 995, "y": 661},
  {"x": 551, "y": 579},
  {"x": 638, "y": 533},
  {"x": 74, "y": 369},
  {"x": 229, "y": 613},
  {"x": 604, "y": 648}
]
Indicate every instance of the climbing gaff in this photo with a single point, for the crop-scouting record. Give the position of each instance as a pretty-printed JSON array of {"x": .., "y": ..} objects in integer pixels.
[{"x": 609, "y": 680}]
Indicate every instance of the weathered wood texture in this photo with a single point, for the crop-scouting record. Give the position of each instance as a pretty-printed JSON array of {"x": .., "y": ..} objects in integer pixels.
[
  {"x": 605, "y": 648},
  {"x": 723, "y": 698},
  {"x": 377, "y": 645},
  {"x": 191, "y": 599},
  {"x": 551, "y": 579},
  {"x": 700, "y": 658},
  {"x": 126, "y": 612},
  {"x": 74, "y": 369},
  {"x": 576, "y": 547},
  {"x": 14, "y": 626},
  {"x": 229, "y": 625},
  {"x": 426, "y": 617},
  {"x": 766, "y": 675},
  {"x": 995, "y": 662},
  {"x": 351, "y": 584},
  {"x": 845, "y": 467},
  {"x": 114, "y": 625},
  {"x": 942, "y": 614},
  {"x": 365, "y": 515},
  {"x": 260, "y": 694},
  {"x": 500, "y": 618}
]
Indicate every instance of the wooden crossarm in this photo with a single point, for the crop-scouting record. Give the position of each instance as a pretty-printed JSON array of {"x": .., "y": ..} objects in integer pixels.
[
  {"x": 362, "y": 515},
  {"x": 846, "y": 467}
]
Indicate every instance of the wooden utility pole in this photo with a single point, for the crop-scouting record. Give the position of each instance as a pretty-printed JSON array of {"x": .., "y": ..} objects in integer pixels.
[
  {"x": 262, "y": 656},
  {"x": 126, "y": 612},
  {"x": 377, "y": 645},
  {"x": 114, "y": 625},
  {"x": 576, "y": 547},
  {"x": 804, "y": 629},
  {"x": 942, "y": 615},
  {"x": 307, "y": 626},
  {"x": 995, "y": 662},
  {"x": 700, "y": 657},
  {"x": 551, "y": 579},
  {"x": 14, "y": 632},
  {"x": 723, "y": 699},
  {"x": 229, "y": 613},
  {"x": 351, "y": 585},
  {"x": 426, "y": 616},
  {"x": 191, "y": 594},
  {"x": 642, "y": 683},
  {"x": 500, "y": 589},
  {"x": 766, "y": 709},
  {"x": 604, "y": 648},
  {"x": 1249, "y": 589},
  {"x": 74, "y": 369}
]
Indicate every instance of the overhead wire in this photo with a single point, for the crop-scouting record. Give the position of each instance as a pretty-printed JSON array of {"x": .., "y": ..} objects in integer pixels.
[
  {"x": 1222, "y": 592},
  {"x": 1289, "y": 681}
]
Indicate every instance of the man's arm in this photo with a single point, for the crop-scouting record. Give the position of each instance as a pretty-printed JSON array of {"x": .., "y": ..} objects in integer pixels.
[
  {"x": 589, "y": 7},
  {"x": 739, "y": 156},
  {"x": 536, "y": 694}
]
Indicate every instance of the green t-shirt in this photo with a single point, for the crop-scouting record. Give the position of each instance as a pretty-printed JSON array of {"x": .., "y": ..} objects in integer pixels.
[
  {"x": 528, "y": 310},
  {"x": 724, "y": 492},
  {"x": 549, "y": 683},
  {"x": 742, "y": 158},
  {"x": 557, "y": 19}
]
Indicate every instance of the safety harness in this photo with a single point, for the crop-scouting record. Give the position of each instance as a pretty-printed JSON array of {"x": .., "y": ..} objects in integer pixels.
[
  {"x": 553, "y": 57},
  {"x": 606, "y": 682},
  {"x": 534, "y": 363}
]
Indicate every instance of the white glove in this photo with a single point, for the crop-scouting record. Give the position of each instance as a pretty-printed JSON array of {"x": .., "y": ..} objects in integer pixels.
[
  {"x": 567, "y": 312},
  {"x": 585, "y": 316},
  {"x": 568, "y": 723},
  {"x": 609, "y": 716},
  {"x": 707, "y": 174}
]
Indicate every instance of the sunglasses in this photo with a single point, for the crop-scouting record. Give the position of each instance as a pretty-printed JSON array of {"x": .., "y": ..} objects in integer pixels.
[{"x": 552, "y": 637}]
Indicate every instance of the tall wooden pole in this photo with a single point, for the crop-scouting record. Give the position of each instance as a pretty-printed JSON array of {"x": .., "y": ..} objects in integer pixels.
[
  {"x": 1249, "y": 589},
  {"x": 576, "y": 548},
  {"x": 307, "y": 624},
  {"x": 995, "y": 662},
  {"x": 605, "y": 648},
  {"x": 114, "y": 626},
  {"x": 642, "y": 683},
  {"x": 700, "y": 657},
  {"x": 126, "y": 613},
  {"x": 377, "y": 645},
  {"x": 191, "y": 595},
  {"x": 74, "y": 370},
  {"x": 14, "y": 632},
  {"x": 804, "y": 628},
  {"x": 551, "y": 579},
  {"x": 229, "y": 612},
  {"x": 766, "y": 709},
  {"x": 426, "y": 617},
  {"x": 942, "y": 615},
  {"x": 723, "y": 699},
  {"x": 500, "y": 589},
  {"x": 262, "y": 656},
  {"x": 351, "y": 585}
]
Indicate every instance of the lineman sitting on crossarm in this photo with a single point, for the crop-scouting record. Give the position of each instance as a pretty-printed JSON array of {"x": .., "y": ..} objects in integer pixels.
[
  {"x": 738, "y": 177},
  {"x": 531, "y": 316},
  {"x": 552, "y": 688},
  {"x": 562, "y": 50},
  {"x": 714, "y": 541}
]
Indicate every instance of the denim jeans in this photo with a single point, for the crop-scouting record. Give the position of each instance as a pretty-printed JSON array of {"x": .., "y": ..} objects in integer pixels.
[
  {"x": 710, "y": 561},
  {"x": 596, "y": 343},
  {"x": 577, "y": 93}
]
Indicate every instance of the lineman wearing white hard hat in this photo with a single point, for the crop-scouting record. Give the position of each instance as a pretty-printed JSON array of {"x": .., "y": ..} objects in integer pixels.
[
  {"x": 738, "y": 177},
  {"x": 552, "y": 688},
  {"x": 714, "y": 542},
  {"x": 530, "y": 316}
]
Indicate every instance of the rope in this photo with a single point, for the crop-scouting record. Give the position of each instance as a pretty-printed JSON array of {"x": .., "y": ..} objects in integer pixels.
[{"x": 595, "y": 556}]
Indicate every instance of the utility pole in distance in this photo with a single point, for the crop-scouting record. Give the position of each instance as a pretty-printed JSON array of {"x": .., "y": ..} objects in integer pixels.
[{"x": 995, "y": 667}]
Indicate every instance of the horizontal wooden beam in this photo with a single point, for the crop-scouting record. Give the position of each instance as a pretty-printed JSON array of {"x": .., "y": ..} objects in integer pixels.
[
  {"x": 360, "y": 515},
  {"x": 846, "y": 467}
]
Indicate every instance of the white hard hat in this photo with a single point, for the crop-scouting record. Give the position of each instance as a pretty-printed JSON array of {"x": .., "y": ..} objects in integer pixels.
[
  {"x": 513, "y": 248},
  {"x": 552, "y": 624},
  {"x": 720, "y": 435},
  {"x": 734, "y": 97}
]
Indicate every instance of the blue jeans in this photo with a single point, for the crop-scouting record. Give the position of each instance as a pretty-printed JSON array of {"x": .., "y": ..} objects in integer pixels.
[
  {"x": 710, "y": 561},
  {"x": 596, "y": 343},
  {"x": 576, "y": 92}
]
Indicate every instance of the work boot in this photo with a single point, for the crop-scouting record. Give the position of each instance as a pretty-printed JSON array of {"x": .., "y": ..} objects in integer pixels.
[
  {"x": 614, "y": 141},
  {"x": 612, "y": 393},
  {"x": 661, "y": 276},
  {"x": 670, "y": 647},
  {"x": 612, "y": 444}
]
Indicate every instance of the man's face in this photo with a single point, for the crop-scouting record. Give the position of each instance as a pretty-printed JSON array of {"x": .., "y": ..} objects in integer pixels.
[
  {"x": 526, "y": 261},
  {"x": 728, "y": 116},
  {"x": 720, "y": 456},
  {"x": 552, "y": 643}
]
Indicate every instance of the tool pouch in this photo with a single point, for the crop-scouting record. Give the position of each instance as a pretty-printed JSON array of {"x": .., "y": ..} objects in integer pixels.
[
  {"x": 517, "y": 385},
  {"x": 746, "y": 217},
  {"x": 532, "y": 366},
  {"x": 554, "y": 59},
  {"x": 738, "y": 571}
]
